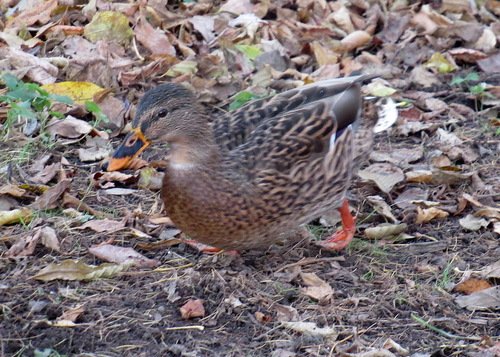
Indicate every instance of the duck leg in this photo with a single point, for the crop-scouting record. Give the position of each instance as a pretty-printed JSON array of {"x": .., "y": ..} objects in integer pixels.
[
  {"x": 342, "y": 238},
  {"x": 208, "y": 249}
]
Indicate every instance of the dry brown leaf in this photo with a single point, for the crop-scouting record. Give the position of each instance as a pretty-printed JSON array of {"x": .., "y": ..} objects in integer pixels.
[
  {"x": 428, "y": 214},
  {"x": 385, "y": 230},
  {"x": 473, "y": 223},
  {"x": 471, "y": 286},
  {"x": 192, "y": 308},
  {"x": 263, "y": 318},
  {"x": 71, "y": 314},
  {"x": 317, "y": 288},
  {"x": 382, "y": 207},
  {"x": 491, "y": 271},
  {"x": 78, "y": 270},
  {"x": 49, "y": 238},
  {"x": 204, "y": 25},
  {"x": 39, "y": 13},
  {"x": 47, "y": 174},
  {"x": 114, "y": 254},
  {"x": 50, "y": 197},
  {"x": 237, "y": 7},
  {"x": 70, "y": 127},
  {"x": 12, "y": 190},
  {"x": 103, "y": 225},
  {"x": 310, "y": 328},
  {"x": 406, "y": 198},
  {"x": 385, "y": 176},
  {"x": 355, "y": 40},
  {"x": 39, "y": 70},
  {"x": 15, "y": 216},
  {"x": 154, "y": 40},
  {"x": 481, "y": 300}
]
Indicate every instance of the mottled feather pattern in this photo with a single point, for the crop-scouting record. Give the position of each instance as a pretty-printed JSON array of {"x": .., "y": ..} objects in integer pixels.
[{"x": 266, "y": 168}]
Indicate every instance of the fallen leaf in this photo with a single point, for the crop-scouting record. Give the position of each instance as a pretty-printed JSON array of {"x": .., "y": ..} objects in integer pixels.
[
  {"x": 78, "y": 270},
  {"x": 92, "y": 154},
  {"x": 428, "y": 214},
  {"x": 103, "y": 225},
  {"x": 406, "y": 198},
  {"x": 50, "y": 197},
  {"x": 25, "y": 246},
  {"x": 385, "y": 230},
  {"x": 481, "y": 300},
  {"x": 109, "y": 26},
  {"x": 12, "y": 190},
  {"x": 47, "y": 174},
  {"x": 154, "y": 40},
  {"x": 79, "y": 92},
  {"x": 378, "y": 89},
  {"x": 237, "y": 7},
  {"x": 490, "y": 64},
  {"x": 381, "y": 207},
  {"x": 192, "y": 308},
  {"x": 151, "y": 179},
  {"x": 114, "y": 254},
  {"x": 385, "y": 176},
  {"x": 69, "y": 127},
  {"x": 14, "y": 216},
  {"x": 472, "y": 285},
  {"x": 491, "y": 271},
  {"x": 355, "y": 40},
  {"x": 204, "y": 25},
  {"x": 441, "y": 63},
  {"x": 71, "y": 314},
  {"x": 39, "y": 13},
  {"x": 49, "y": 238},
  {"x": 37, "y": 69},
  {"x": 473, "y": 223},
  {"x": 310, "y": 328},
  {"x": 317, "y": 288},
  {"x": 263, "y": 318},
  {"x": 398, "y": 156}
]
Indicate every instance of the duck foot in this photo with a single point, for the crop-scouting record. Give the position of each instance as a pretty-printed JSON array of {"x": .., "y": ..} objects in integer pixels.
[
  {"x": 342, "y": 238},
  {"x": 208, "y": 249}
]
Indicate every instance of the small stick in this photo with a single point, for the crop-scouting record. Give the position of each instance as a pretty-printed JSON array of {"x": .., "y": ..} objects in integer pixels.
[
  {"x": 194, "y": 327},
  {"x": 426, "y": 324}
]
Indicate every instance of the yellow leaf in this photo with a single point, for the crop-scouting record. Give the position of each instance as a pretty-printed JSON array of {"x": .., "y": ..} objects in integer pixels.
[
  {"x": 440, "y": 63},
  {"x": 80, "y": 92},
  {"x": 109, "y": 26}
]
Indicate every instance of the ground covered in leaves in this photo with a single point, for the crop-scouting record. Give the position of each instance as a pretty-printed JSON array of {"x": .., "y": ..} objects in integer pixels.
[{"x": 90, "y": 265}]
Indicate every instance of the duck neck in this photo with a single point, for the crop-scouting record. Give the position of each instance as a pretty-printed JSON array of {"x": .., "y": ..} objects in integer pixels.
[{"x": 195, "y": 149}]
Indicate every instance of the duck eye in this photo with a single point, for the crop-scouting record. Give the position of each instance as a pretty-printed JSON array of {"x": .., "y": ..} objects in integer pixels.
[
  {"x": 162, "y": 113},
  {"x": 131, "y": 141}
]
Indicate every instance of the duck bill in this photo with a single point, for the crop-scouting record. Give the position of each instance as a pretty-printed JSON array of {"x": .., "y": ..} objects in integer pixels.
[{"x": 132, "y": 146}]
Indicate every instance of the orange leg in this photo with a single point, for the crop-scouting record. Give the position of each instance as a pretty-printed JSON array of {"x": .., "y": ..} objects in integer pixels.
[
  {"x": 207, "y": 249},
  {"x": 342, "y": 238}
]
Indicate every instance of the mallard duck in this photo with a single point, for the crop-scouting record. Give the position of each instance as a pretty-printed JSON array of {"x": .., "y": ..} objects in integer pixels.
[{"x": 241, "y": 180}]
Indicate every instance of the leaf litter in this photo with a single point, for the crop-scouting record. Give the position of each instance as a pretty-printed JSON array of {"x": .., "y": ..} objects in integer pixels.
[{"x": 438, "y": 62}]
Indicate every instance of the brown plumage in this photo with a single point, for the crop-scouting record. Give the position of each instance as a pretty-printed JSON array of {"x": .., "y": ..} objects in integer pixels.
[{"x": 243, "y": 179}]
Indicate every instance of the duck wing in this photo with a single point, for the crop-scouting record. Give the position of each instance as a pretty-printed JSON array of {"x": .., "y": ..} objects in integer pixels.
[
  {"x": 234, "y": 129},
  {"x": 322, "y": 114}
]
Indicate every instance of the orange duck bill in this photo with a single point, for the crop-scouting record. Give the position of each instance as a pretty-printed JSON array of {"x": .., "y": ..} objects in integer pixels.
[{"x": 133, "y": 145}]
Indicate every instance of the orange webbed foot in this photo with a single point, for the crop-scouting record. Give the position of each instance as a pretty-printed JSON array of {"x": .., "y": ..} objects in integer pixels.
[{"x": 342, "y": 238}]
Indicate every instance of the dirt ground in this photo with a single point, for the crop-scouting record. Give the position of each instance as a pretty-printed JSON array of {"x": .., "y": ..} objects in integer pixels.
[
  {"x": 384, "y": 297},
  {"x": 379, "y": 287}
]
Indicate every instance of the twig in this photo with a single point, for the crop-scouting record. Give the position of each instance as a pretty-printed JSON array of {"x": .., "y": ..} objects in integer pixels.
[
  {"x": 194, "y": 327},
  {"x": 426, "y": 324},
  {"x": 307, "y": 261}
]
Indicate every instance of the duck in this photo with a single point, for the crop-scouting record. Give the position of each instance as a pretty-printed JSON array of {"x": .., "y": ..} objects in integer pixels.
[{"x": 241, "y": 180}]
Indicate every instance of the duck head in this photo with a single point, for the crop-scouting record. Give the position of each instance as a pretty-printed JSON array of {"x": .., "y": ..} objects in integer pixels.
[{"x": 167, "y": 114}]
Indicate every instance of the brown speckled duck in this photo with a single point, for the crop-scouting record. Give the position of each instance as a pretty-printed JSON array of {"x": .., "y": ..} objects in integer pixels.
[{"x": 241, "y": 180}]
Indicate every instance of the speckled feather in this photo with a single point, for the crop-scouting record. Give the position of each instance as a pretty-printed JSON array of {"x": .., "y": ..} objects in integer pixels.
[{"x": 242, "y": 180}]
